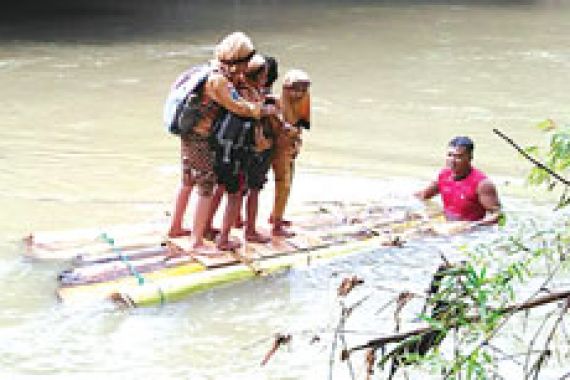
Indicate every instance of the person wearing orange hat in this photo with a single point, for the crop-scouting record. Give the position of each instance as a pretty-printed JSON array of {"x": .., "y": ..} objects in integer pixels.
[{"x": 295, "y": 105}]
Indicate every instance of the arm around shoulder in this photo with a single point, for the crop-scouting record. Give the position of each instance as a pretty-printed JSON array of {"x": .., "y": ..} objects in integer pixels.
[{"x": 223, "y": 92}]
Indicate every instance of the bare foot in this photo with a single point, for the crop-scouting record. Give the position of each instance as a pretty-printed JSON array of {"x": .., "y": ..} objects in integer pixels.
[
  {"x": 211, "y": 233},
  {"x": 281, "y": 232},
  {"x": 256, "y": 237},
  {"x": 239, "y": 223},
  {"x": 284, "y": 222},
  {"x": 227, "y": 245},
  {"x": 173, "y": 252},
  {"x": 175, "y": 233},
  {"x": 205, "y": 250}
]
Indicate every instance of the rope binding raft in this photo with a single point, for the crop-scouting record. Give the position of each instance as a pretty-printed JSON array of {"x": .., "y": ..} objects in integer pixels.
[{"x": 125, "y": 259}]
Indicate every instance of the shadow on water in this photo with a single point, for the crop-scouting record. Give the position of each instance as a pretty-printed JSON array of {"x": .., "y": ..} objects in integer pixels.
[{"x": 103, "y": 21}]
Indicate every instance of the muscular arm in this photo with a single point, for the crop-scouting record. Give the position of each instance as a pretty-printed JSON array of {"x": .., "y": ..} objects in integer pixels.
[
  {"x": 220, "y": 90},
  {"x": 489, "y": 199},
  {"x": 429, "y": 192}
]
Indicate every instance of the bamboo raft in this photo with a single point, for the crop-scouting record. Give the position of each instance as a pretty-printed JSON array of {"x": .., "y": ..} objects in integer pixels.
[{"x": 136, "y": 266}]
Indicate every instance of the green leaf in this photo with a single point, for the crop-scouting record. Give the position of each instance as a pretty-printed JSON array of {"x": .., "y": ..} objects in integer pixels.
[
  {"x": 502, "y": 221},
  {"x": 488, "y": 358},
  {"x": 546, "y": 125}
]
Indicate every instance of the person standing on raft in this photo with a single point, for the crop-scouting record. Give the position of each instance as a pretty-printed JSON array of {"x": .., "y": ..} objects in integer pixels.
[
  {"x": 296, "y": 110},
  {"x": 231, "y": 57}
]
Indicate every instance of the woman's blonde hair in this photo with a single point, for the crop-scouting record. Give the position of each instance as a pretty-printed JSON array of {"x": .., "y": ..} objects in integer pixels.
[{"x": 234, "y": 48}]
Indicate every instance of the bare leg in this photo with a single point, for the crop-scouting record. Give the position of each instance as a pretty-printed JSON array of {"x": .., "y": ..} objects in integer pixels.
[
  {"x": 210, "y": 232},
  {"x": 284, "y": 222},
  {"x": 283, "y": 171},
  {"x": 232, "y": 209},
  {"x": 181, "y": 203},
  {"x": 239, "y": 219},
  {"x": 251, "y": 233},
  {"x": 200, "y": 219}
]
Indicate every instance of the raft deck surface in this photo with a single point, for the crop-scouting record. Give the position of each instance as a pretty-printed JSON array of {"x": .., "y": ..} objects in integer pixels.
[{"x": 139, "y": 267}]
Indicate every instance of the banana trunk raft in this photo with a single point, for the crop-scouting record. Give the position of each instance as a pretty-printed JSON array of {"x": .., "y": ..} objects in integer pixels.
[{"x": 137, "y": 266}]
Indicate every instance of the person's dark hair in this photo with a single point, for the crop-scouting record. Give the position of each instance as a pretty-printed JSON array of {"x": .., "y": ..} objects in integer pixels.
[
  {"x": 253, "y": 75},
  {"x": 463, "y": 141},
  {"x": 272, "y": 70}
]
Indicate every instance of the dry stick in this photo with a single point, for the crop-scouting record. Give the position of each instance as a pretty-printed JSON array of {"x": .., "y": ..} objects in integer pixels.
[
  {"x": 375, "y": 343},
  {"x": 403, "y": 299},
  {"x": 391, "y": 290},
  {"x": 531, "y": 159},
  {"x": 525, "y": 320},
  {"x": 565, "y": 332},
  {"x": 280, "y": 339},
  {"x": 512, "y": 356},
  {"x": 506, "y": 356},
  {"x": 348, "y": 362},
  {"x": 348, "y": 283},
  {"x": 340, "y": 325},
  {"x": 534, "y": 338},
  {"x": 545, "y": 352},
  {"x": 370, "y": 360},
  {"x": 385, "y": 306}
]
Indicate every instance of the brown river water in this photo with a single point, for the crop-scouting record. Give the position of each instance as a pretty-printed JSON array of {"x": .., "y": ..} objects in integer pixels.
[{"x": 82, "y": 145}]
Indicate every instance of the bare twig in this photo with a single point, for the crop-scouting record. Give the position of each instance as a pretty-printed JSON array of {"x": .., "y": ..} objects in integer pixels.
[
  {"x": 344, "y": 314},
  {"x": 370, "y": 360},
  {"x": 385, "y": 306},
  {"x": 402, "y": 300},
  {"x": 534, "y": 338},
  {"x": 378, "y": 342},
  {"x": 546, "y": 352},
  {"x": 531, "y": 159},
  {"x": 348, "y": 362},
  {"x": 347, "y": 284},
  {"x": 530, "y": 303},
  {"x": 280, "y": 339}
]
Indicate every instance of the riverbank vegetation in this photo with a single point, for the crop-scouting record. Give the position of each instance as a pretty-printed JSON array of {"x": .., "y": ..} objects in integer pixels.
[
  {"x": 500, "y": 311},
  {"x": 473, "y": 302}
]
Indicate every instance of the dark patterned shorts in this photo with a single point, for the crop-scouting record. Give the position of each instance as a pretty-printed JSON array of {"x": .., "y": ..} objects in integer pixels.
[
  {"x": 197, "y": 163},
  {"x": 257, "y": 168}
]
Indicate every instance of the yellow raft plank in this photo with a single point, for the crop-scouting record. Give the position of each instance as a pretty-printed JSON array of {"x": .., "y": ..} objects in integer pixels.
[
  {"x": 172, "y": 289},
  {"x": 103, "y": 290}
]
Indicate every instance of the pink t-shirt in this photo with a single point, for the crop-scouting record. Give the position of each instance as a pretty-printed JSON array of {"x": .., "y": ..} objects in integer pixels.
[{"x": 460, "y": 198}]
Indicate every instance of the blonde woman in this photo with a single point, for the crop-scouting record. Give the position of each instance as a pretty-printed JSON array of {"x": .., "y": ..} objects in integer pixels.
[
  {"x": 296, "y": 110},
  {"x": 231, "y": 57}
]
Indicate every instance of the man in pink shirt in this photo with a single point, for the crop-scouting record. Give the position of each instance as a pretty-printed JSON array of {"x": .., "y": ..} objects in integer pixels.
[{"x": 467, "y": 194}]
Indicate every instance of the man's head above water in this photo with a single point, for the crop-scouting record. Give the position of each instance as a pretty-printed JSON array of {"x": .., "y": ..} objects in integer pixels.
[
  {"x": 463, "y": 141},
  {"x": 459, "y": 155}
]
